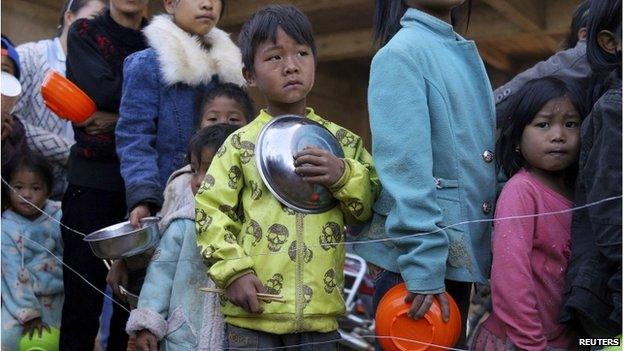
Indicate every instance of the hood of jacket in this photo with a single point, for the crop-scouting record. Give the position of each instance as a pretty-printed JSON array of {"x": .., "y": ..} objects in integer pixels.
[
  {"x": 179, "y": 199},
  {"x": 183, "y": 58}
]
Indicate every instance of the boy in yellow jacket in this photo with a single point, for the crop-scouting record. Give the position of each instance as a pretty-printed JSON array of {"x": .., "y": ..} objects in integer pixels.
[{"x": 251, "y": 241}]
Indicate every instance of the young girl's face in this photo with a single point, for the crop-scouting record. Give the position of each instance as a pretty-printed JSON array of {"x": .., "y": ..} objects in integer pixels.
[
  {"x": 199, "y": 167},
  {"x": 551, "y": 141},
  {"x": 222, "y": 109},
  {"x": 32, "y": 187},
  {"x": 197, "y": 17}
]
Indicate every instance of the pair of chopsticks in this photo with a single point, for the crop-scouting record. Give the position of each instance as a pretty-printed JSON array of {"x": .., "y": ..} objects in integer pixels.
[{"x": 261, "y": 296}]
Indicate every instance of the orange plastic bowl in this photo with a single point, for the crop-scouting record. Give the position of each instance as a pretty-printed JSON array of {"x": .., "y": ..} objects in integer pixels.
[
  {"x": 65, "y": 99},
  {"x": 396, "y": 331}
]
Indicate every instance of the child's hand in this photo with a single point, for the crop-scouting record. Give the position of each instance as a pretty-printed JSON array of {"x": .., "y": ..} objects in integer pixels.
[
  {"x": 318, "y": 166},
  {"x": 140, "y": 211},
  {"x": 242, "y": 292},
  {"x": 100, "y": 122},
  {"x": 422, "y": 302},
  {"x": 146, "y": 341},
  {"x": 35, "y": 324},
  {"x": 117, "y": 275}
]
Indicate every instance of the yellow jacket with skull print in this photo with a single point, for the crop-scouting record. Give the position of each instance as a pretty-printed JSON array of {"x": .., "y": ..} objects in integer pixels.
[{"x": 242, "y": 227}]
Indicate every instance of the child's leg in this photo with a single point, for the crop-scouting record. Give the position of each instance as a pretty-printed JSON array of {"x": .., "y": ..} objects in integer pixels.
[
  {"x": 237, "y": 338},
  {"x": 460, "y": 291},
  {"x": 312, "y": 341},
  {"x": 86, "y": 210}
]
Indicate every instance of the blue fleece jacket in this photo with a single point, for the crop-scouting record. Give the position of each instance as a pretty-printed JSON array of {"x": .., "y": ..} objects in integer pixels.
[{"x": 432, "y": 120}]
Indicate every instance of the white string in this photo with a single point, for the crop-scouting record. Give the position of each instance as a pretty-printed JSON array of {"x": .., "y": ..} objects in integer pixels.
[
  {"x": 340, "y": 339},
  {"x": 74, "y": 271},
  {"x": 40, "y": 210},
  {"x": 314, "y": 246},
  {"x": 284, "y": 251}
]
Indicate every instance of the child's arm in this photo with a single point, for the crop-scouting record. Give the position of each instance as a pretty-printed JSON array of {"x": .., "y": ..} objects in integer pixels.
[
  {"x": 151, "y": 312},
  {"x": 135, "y": 136},
  {"x": 18, "y": 296},
  {"x": 513, "y": 293},
  {"x": 353, "y": 181},
  {"x": 401, "y": 130},
  {"x": 218, "y": 225}
]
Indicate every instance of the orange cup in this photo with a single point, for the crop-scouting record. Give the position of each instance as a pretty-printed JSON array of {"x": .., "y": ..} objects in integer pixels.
[
  {"x": 396, "y": 331},
  {"x": 65, "y": 99}
]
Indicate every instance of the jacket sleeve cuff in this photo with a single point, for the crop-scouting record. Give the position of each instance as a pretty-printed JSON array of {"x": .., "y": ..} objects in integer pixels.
[
  {"x": 419, "y": 287},
  {"x": 144, "y": 193},
  {"x": 238, "y": 275},
  {"x": 143, "y": 318},
  {"x": 343, "y": 178}
]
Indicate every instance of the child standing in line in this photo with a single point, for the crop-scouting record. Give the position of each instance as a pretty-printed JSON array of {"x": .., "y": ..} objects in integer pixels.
[
  {"x": 432, "y": 121},
  {"x": 96, "y": 50},
  {"x": 538, "y": 148},
  {"x": 225, "y": 104},
  {"x": 188, "y": 55},
  {"x": 593, "y": 292},
  {"x": 171, "y": 310},
  {"x": 32, "y": 279},
  {"x": 244, "y": 231}
]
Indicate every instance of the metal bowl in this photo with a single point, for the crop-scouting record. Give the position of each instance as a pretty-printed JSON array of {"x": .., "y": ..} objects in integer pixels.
[
  {"x": 278, "y": 141},
  {"x": 123, "y": 240}
]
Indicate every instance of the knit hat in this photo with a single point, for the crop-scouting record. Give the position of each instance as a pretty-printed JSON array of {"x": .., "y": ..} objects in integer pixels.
[{"x": 9, "y": 50}]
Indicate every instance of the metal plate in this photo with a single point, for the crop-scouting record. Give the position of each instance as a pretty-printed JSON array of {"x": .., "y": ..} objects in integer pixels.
[{"x": 278, "y": 141}]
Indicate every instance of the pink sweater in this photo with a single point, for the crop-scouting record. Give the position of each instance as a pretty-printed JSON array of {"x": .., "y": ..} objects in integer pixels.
[{"x": 529, "y": 265}]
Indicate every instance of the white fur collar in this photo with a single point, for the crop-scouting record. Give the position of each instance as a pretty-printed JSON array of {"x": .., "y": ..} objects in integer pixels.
[{"x": 184, "y": 60}]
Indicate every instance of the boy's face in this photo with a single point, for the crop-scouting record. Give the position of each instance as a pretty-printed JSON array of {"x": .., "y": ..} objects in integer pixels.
[
  {"x": 197, "y": 17},
  {"x": 284, "y": 73},
  {"x": 200, "y": 167},
  {"x": 222, "y": 109}
]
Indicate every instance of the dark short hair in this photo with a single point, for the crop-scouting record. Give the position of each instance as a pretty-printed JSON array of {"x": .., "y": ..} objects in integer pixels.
[
  {"x": 603, "y": 15},
  {"x": 29, "y": 161},
  {"x": 228, "y": 90},
  {"x": 210, "y": 137},
  {"x": 579, "y": 20},
  {"x": 387, "y": 19},
  {"x": 262, "y": 26},
  {"x": 525, "y": 104},
  {"x": 72, "y": 6}
]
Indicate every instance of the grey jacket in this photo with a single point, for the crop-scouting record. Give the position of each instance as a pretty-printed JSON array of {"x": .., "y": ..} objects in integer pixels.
[{"x": 568, "y": 64}]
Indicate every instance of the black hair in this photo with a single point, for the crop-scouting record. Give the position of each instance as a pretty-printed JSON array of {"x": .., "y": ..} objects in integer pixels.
[
  {"x": 525, "y": 104},
  {"x": 262, "y": 26},
  {"x": 387, "y": 19},
  {"x": 579, "y": 20},
  {"x": 603, "y": 15},
  {"x": 228, "y": 90},
  {"x": 30, "y": 161},
  {"x": 72, "y": 6},
  {"x": 209, "y": 137}
]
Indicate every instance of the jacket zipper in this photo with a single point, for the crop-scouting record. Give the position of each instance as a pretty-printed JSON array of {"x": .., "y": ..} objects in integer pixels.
[{"x": 299, "y": 301}]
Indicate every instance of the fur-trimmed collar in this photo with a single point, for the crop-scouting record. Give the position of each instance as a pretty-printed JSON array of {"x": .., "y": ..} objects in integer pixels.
[{"x": 184, "y": 60}]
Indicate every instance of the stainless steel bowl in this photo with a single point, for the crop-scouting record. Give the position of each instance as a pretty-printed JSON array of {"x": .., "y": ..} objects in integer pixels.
[
  {"x": 278, "y": 141},
  {"x": 123, "y": 240}
]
